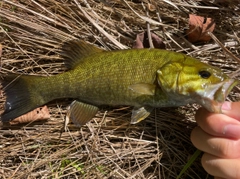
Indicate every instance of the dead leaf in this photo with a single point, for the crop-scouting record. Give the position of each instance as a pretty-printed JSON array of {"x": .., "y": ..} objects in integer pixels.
[
  {"x": 199, "y": 28},
  {"x": 38, "y": 114},
  {"x": 143, "y": 42}
]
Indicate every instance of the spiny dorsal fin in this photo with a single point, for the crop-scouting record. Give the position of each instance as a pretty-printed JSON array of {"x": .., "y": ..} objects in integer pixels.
[{"x": 74, "y": 51}]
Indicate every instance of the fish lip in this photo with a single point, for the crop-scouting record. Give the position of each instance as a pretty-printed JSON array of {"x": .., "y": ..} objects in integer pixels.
[{"x": 215, "y": 94}]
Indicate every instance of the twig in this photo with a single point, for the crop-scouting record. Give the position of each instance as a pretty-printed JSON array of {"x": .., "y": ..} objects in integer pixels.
[
  {"x": 147, "y": 19},
  {"x": 23, "y": 51},
  {"x": 200, "y": 7},
  {"x": 33, "y": 12},
  {"x": 121, "y": 46},
  {"x": 172, "y": 4},
  {"x": 224, "y": 48},
  {"x": 212, "y": 46},
  {"x": 148, "y": 29}
]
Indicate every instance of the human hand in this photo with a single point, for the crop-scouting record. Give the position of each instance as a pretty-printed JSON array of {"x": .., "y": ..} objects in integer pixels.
[{"x": 218, "y": 136}]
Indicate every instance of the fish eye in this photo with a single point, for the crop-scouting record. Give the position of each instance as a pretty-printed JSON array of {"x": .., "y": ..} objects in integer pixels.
[{"x": 204, "y": 74}]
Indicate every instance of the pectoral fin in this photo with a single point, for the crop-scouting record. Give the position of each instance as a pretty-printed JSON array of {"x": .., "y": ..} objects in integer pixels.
[
  {"x": 140, "y": 114},
  {"x": 143, "y": 88},
  {"x": 80, "y": 113}
]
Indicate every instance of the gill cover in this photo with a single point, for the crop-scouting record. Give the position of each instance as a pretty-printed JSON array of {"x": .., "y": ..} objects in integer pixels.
[{"x": 167, "y": 77}]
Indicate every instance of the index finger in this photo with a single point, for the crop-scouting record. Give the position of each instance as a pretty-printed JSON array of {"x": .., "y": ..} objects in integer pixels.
[{"x": 219, "y": 125}]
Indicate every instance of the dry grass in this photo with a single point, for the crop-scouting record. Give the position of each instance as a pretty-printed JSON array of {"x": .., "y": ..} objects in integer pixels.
[{"x": 31, "y": 32}]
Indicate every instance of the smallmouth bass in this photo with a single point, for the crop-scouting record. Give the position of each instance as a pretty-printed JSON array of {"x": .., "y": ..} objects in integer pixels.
[{"x": 143, "y": 78}]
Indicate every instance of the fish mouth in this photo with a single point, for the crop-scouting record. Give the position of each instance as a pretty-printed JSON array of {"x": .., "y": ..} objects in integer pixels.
[{"x": 214, "y": 95}]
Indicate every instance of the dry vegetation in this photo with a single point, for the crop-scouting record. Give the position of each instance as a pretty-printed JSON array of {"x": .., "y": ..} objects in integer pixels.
[{"x": 31, "y": 32}]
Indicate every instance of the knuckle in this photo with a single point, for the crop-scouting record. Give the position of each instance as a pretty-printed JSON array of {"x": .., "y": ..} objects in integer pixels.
[
  {"x": 226, "y": 149},
  {"x": 206, "y": 162},
  {"x": 237, "y": 175},
  {"x": 230, "y": 149}
]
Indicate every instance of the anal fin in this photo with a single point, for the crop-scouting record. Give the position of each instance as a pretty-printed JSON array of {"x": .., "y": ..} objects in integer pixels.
[
  {"x": 80, "y": 113},
  {"x": 140, "y": 114}
]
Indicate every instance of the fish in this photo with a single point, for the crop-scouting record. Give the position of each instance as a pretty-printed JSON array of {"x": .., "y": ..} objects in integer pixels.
[{"x": 142, "y": 78}]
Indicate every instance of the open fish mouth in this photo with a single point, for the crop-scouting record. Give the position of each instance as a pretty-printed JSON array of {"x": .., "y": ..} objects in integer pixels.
[{"x": 214, "y": 95}]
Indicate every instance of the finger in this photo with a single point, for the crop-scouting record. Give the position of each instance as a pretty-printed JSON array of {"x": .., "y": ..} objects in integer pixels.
[
  {"x": 218, "y": 124},
  {"x": 231, "y": 109},
  {"x": 221, "y": 147},
  {"x": 222, "y": 168}
]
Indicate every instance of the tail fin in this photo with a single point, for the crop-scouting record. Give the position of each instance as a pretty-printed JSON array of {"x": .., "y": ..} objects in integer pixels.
[{"x": 19, "y": 99}]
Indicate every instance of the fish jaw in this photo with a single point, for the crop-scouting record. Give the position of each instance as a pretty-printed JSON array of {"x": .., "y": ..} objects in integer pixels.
[{"x": 214, "y": 95}]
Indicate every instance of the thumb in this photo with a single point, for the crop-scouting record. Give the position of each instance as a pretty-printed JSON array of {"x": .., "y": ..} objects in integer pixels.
[{"x": 231, "y": 109}]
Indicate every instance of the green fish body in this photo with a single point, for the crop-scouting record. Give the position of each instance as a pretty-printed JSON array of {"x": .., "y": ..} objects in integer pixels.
[{"x": 145, "y": 79}]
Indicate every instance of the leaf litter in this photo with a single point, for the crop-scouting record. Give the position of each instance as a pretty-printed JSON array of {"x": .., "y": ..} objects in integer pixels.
[
  {"x": 199, "y": 27},
  {"x": 142, "y": 41},
  {"x": 108, "y": 146},
  {"x": 37, "y": 114}
]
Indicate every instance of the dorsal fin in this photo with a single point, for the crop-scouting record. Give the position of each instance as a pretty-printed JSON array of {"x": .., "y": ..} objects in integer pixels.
[{"x": 74, "y": 51}]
